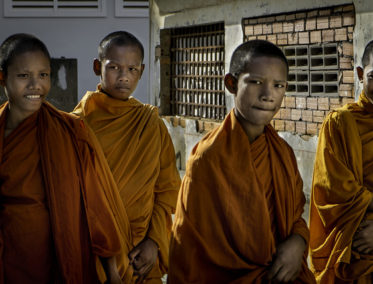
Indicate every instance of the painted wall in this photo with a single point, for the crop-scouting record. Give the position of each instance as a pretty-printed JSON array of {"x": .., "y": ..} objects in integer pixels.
[
  {"x": 232, "y": 12},
  {"x": 78, "y": 38}
]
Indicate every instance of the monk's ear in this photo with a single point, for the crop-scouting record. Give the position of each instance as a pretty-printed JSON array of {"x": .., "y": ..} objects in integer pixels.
[
  {"x": 230, "y": 82},
  {"x": 142, "y": 69},
  {"x": 2, "y": 78},
  {"x": 360, "y": 73},
  {"x": 97, "y": 67}
]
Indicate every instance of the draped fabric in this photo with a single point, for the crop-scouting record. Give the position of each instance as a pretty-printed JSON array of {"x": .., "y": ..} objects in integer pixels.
[
  {"x": 237, "y": 201},
  {"x": 56, "y": 216},
  {"x": 140, "y": 154},
  {"x": 341, "y": 193}
]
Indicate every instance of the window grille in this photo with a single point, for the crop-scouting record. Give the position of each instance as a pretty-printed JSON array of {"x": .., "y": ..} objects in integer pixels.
[
  {"x": 128, "y": 8},
  {"x": 54, "y": 8},
  {"x": 313, "y": 70},
  {"x": 197, "y": 71}
]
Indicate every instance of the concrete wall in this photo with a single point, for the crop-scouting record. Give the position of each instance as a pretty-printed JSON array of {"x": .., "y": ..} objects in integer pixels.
[
  {"x": 78, "y": 38},
  {"x": 232, "y": 12}
]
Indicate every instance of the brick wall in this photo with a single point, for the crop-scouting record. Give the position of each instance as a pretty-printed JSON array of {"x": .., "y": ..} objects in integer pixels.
[
  {"x": 202, "y": 126},
  {"x": 303, "y": 113}
]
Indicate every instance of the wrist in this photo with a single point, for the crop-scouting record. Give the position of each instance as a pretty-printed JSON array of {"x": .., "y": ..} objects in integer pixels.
[
  {"x": 301, "y": 241},
  {"x": 154, "y": 243}
]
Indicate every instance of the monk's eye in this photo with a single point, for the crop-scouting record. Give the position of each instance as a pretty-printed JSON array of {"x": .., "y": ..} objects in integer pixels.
[
  {"x": 133, "y": 69},
  {"x": 22, "y": 75},
  {"x": 255, "y": 82},
  {"x": 113, "y": 67},
  {"x": 44, "y": 75},
  {"x": 280, "y": 86}
]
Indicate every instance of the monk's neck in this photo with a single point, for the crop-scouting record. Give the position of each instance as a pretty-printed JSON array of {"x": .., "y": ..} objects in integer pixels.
[
  {"x": 14, "y": 118},
  {"x": 252, "y": 131}
]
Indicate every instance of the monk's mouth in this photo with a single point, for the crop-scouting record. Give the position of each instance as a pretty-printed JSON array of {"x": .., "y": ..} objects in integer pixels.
[
  {"x": 34, "y": 97},
  {"x": 264, "y": 109},
  {"x": 122, "y": 88}
]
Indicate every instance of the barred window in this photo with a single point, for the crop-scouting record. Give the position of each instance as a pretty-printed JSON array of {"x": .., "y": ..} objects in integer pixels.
[{"x": 196, "y": 61}]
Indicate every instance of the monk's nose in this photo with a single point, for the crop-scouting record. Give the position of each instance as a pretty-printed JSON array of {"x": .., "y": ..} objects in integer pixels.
[
  {"x": 34, "y": 83},
  {"x": 266, "y": 93},
  {"x": 123, "y": 75}
]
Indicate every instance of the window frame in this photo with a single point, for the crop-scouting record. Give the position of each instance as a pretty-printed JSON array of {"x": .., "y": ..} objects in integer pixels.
[
  {"x": 55, "y": 11},
  {"x": 122, "y": 12}
]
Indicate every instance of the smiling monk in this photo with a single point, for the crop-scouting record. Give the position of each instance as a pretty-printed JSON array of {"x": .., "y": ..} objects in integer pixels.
[
  {"x": 57, "y": 212},
  {"x": 239, "y": 212}
]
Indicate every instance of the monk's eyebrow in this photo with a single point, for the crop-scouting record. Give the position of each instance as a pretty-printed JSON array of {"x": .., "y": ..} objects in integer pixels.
[{"x": 251, "y": 75}]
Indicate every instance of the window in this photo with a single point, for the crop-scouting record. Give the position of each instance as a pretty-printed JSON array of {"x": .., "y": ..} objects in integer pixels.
[
  {"x": 128, "y": 8},
  {"x": 54, "y": 8},
  {"x": 196, "y": 74},
  {"x": 313, "y": 69}
]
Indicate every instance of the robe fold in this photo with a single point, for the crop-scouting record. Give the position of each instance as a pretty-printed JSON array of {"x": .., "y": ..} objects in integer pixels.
[
  {"x": 341, "y": 193},
  {"x": 237, "y": 202},
  {"x": 140, "y": 154},
  {"x": 56, "y": 215}
]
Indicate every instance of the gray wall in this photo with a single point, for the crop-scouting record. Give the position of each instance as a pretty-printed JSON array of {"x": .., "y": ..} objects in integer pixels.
[{"x": 78, "y": 38}]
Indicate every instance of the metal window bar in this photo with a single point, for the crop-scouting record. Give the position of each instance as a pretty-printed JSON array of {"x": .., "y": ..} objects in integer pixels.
[{"x": 197, "y": 72}]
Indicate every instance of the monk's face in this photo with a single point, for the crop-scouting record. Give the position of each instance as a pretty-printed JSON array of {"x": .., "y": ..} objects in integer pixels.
[
  {"x": 121, "y": 70},
  {"x": 260, "y": 90},
  {"x": 27, "y": 82},
  {"x": 366, "y": 76}
]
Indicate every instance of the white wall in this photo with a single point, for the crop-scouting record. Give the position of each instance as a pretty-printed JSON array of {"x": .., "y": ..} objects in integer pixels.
[{"x": 79, "y": 38}]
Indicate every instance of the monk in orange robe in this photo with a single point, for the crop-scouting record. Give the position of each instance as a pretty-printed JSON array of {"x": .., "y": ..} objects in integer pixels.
[
  {"x": 239, "y": 212},
  {"x": 341, "y": 212},
  {"x": 139, "y": 152},
  {"x": 56, "y": 213}
]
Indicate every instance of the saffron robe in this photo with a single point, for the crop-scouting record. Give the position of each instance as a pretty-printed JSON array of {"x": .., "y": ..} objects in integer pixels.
[
  {"x": 341, "y": 193},
  {"x": 141, "y": 156},
  {"x": 237, "y": 201},
  {"x": 56, "y": 215}
]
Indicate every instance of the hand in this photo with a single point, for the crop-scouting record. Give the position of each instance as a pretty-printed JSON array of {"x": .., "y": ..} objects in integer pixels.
[
  {"x": 363, "y": 239},
  {"x": 143, "y": 257},
  {"x": 288, "y": 260}
]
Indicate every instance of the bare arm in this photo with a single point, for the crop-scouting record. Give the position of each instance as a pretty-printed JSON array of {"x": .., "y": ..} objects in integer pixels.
[{"x": 111, "y": 271}]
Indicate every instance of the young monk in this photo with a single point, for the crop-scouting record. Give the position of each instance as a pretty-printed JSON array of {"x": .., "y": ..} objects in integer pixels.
[
  {"x": 239, "y": 212},
  {"x": 56, "y": 214},
  {"x": 341, "y": 212},
  {"x": 139, "y": 152}
]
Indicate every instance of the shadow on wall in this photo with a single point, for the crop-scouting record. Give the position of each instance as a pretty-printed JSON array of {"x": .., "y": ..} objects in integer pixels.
[{"x": 64, "y": 84}]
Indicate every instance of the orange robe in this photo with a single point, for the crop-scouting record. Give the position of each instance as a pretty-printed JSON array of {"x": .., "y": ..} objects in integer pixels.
[
  {"x": 237, "y": 201},
  {"x": 141, "y": 157},
  {"x": 341, "y": 192},
  {"x": 55, "y": 216}
]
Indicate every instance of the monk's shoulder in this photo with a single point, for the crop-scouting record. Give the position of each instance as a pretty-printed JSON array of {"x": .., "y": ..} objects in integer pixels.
[
  {"x": 150, "y": 113},
  {"x": 210, "y": 147},
  {"x": 341, "y": 117},
  {"x": 83, "y": 107},
  {"x": 77, "y": 125}
]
